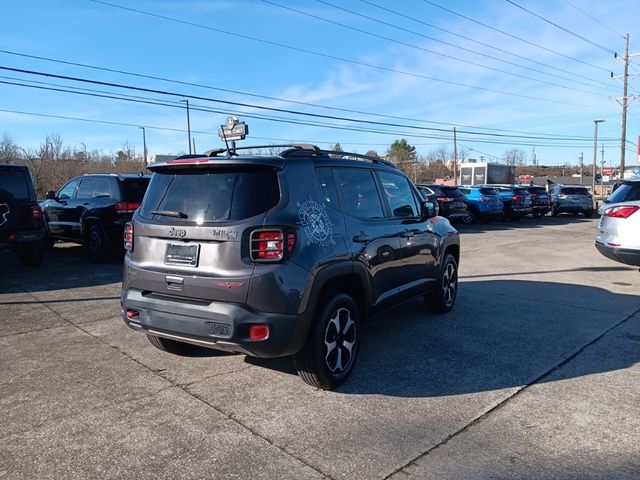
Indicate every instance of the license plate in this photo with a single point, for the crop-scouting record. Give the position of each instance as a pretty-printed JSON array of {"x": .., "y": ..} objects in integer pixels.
[
  {"x": 458, "y": 205},
  {"x": 180, "y": 254}
]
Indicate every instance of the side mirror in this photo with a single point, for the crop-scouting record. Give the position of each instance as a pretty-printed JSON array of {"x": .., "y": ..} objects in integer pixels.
[
  {"x": 51, "y": 195},
  {"x": 428, "y": 209}
]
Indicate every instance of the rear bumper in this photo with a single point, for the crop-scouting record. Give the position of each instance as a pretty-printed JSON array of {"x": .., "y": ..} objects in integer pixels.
[
  {"x": 218, "y": 325},
  {"x": 573, "y": 208},
  {"x": 22, "y": 237},
  {"x": 621, "y": 255}
]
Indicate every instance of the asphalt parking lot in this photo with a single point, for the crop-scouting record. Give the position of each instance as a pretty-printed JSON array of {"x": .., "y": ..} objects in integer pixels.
[{"x": 535, "y": 374}]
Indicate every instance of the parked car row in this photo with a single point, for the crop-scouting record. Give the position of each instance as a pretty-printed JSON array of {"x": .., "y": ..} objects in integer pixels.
[{"x": 512, "y": 202}]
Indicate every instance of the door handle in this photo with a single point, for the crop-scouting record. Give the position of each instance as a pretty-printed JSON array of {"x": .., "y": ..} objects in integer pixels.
[{"x": 408, "y": 234}]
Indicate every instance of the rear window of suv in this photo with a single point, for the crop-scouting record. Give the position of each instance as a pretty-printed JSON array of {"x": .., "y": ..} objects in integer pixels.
[
  {"x": 626, "y": 193},
  {"x": 16, "y": 181},
  {"x": 575, "y": 191},
  {"x": 205, "y": 196},
  {"x": 133, "y": 189},
  {"x": 488, "y": 191}
]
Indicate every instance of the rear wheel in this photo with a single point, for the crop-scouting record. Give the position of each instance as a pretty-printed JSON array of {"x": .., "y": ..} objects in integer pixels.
[
  {"x": 471, "y": 216},
  {"x": 588, "y": 213},
  {"x": 441, "y": 300},
  {"x": 170, "y": 346},
  {"x": 538, "y": 214},
  {"x": 330, "y": 352},
  {"x": 30, "y": 254}
]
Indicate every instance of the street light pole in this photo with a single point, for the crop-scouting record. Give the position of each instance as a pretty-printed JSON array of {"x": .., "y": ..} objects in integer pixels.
[
  {"x": 144, "y": 145},
  {"x": 595, "y": 154},
  {"x": 188, "y": 124}
]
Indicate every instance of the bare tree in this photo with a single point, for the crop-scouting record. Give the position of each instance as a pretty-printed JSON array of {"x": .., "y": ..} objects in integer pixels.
[
  {"x": 515, "y": 156},
  {"x": 9, "y": 150}
]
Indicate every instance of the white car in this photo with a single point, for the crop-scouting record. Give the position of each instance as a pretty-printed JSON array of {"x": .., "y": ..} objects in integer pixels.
[{"x": 619, "y": 233}]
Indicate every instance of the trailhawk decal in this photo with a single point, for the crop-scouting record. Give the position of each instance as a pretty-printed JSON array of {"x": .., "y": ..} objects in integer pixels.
[
  {"x": 316, "y": 223},
  {"x": 4, "y": 211}
]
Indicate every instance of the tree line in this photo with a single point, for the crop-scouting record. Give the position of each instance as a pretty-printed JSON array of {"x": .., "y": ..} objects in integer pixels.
[{"x": 53, "y": 163}]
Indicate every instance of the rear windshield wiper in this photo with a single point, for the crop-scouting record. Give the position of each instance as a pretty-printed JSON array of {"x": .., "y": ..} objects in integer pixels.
[{"x": 170, "y": 213}]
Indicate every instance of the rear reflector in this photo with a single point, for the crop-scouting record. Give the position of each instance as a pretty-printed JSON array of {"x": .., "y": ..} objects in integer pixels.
[
  {"x": 132, "y": 314},
  {"x": 258, "y": 332},
  {"x": 126, "y": 207},
  {"x": 128, "y": 237},
  {"x": 621, "y": 211}
]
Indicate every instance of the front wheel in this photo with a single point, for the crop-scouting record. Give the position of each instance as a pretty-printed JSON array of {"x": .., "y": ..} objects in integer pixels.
[
  {"x": 97, "y": 247},
  {"x": 330, "y": 352},
  {"x": 441, "y": 300},
  {"x": 470, "y": 217}
]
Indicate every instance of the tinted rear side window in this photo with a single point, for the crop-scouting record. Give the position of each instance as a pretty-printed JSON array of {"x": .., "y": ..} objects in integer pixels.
[
  {"x": 133, "y": 189},
  {"x": 626, "y": 192},
  {"x": 211, "y": 196},
  {"x": 359, "y": 193},
  {"x": 16, "y": 182},
  {"x": 488, "y": 191}
]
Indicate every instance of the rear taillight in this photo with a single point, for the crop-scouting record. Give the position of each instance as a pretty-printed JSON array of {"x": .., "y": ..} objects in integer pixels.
[
  {"x": 442, "y": 199},
  {"x": 562, "y": 195},
  {"x": 36, "y": 212},
  {"x": 516, "y": 198},
  {"x": 484, "y": 199},
  {"x": 128, "y": 237},
  {"x": 271, "y": 245},
  {"x": 126, "y": 207},
  {"x": 621, "y": 211}
]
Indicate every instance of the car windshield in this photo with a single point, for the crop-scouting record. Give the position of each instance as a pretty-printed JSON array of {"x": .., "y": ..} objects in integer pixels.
[
  {"x": 626, "y": 192},
  {"x": 203, "y": 196}
]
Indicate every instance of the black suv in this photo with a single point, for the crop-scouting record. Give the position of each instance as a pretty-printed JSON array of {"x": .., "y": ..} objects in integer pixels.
[
  {"x": 451, "y": 201},
  {"x": 571, "y": 199},
  {"x": 540, "y": 200},
  {"x": 92, "y": 210},
  {"x": 282, "y": 255},
  {"x": 21, "y": 226}
]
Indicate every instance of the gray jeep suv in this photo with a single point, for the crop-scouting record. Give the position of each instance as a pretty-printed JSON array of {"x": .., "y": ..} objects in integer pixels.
[{"x": 282, "y": 255}]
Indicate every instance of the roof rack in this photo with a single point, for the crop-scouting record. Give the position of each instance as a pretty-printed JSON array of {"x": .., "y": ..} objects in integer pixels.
[{"x": 294, "y": 150}]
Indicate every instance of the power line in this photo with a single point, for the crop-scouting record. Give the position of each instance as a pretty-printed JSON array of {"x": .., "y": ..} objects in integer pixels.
[
  {"x": 333, "y": 57},
  {"x": 199, "y": 85},
  {"x": 469, "y": 39},
  {"x": 597, "y": 45},
  {"x": 516, "y": 37},
  {"x": 433, "y": 52},
  {"x": 254, "y": 106},
  {"x": 594, "y": 19}
]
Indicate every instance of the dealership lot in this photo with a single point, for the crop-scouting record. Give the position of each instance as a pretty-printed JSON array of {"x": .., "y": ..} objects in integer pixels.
[{"x": 534, "y": 374}]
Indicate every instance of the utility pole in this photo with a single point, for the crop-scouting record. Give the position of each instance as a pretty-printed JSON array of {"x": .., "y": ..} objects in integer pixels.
[
  {"x": 188, "y": 125},
  {"x": 455, "y": 157},
  {"x": 595, "y": 153},
  {"x": 625, "y": 81},
  {"x": 144, "y": 145}
]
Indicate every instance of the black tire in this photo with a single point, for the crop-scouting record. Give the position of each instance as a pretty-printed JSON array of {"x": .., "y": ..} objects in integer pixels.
[
  {"x": 170, "y": 346},
  {"x": 330, "y": 352},
  {"x": 96, "y": 244},
  {"x": 538, "y": 214},
  {"x": 588, "y": 214},
  {"x": 442, "y": 299},
  {"x": 471, "y": 217},
  {"x": 31, "y": 254}
]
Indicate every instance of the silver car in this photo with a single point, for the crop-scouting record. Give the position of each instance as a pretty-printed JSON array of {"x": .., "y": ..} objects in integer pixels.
[
  {"x": 619, "y": 233},
  {"x": 571, "y": 199}
]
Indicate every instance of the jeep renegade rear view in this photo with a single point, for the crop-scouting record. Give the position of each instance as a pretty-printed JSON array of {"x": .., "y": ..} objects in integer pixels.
[{"x": 282, "y": 255}]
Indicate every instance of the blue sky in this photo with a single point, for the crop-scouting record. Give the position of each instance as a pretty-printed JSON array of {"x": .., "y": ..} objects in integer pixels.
[{"x": 504, "y": 77}]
